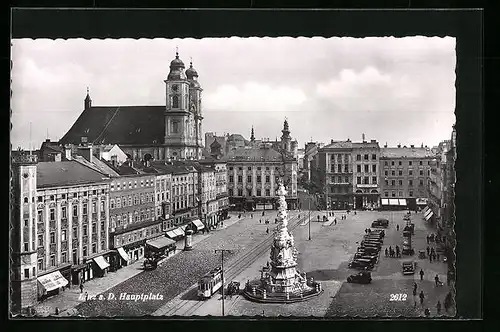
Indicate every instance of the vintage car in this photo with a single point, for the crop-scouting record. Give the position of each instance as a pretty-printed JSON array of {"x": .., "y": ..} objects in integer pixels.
[
  {"x": 369, "y": 250},
  {"x": 371, "y": 244},
  {"x": 381, "y": 222},
  {"x": 407, "y": 250},
  {"x": 408, "y": 267},
  {"x": 379, "y": 232},
  {"x": 406, "y": 217},
  {"x": 409, "y": 228},
  {"x": 372, "y": 258},
  {"x": 360, "y": 278},
  {"x": 233, "y": 288},
  {"x": 361, "y": 264}
]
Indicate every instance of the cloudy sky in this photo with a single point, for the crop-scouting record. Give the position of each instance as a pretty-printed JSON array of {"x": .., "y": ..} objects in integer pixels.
[{"x": 394, "y": 90}]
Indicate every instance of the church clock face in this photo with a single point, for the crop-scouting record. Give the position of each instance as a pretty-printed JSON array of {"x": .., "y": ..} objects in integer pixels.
[{"x": 175, "y": 88}]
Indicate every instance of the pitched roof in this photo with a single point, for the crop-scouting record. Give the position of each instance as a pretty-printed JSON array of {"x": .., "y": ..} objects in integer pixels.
[
  {"x": 65, "y": 173},
  {"x": 96, "y": 164},
  {"x": 339, "y": 145},
  {"x": 405, "y": 153},
  {"x": 253, "y": 154},
  {"x": 118, "y": 125},
  {"x": 161, "y": 167}
]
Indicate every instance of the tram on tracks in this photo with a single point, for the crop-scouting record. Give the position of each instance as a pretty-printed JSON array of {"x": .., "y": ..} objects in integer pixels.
[{"x": 210, "y": 283}]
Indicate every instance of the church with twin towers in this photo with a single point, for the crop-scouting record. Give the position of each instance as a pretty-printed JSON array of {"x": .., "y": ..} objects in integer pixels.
[{"x": 173, "y": 131}]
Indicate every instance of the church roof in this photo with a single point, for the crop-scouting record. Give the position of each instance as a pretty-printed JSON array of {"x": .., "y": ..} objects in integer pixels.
[{"x": 119, "y": 125}]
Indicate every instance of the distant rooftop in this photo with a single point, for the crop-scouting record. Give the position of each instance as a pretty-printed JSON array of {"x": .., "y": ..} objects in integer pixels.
[
  {"x": 406, "y": 152},
  {"x": 66, "y": 173}
]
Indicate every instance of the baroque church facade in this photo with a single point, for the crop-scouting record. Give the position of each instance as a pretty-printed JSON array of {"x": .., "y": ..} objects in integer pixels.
[{"x": 171, "y": 131}]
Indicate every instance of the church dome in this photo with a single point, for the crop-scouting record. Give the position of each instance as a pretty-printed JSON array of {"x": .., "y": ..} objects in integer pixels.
[
  {"x": 176, "y": 69},
  {"x": 191, "y": 72},
  {"x": 177, "y": 62}
]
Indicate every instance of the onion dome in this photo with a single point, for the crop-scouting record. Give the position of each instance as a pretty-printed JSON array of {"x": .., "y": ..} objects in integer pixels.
[
  {"x": 191, "y": 72},
  {"x": 176, "y": 69}
]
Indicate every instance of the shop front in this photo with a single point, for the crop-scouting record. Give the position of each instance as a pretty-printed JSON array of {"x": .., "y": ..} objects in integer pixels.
[
  {"x": 394, "y": 204},
  {"x": 50, "y": 284},
  {"x": 135, "y": 251},
  {"x": 81, "y": 273},
  {"x": 198, "y": 225},
  {"x": 100, "y": 266},
  {"x": 118, "y": 259},
  {"x": 160, "y": 248}
]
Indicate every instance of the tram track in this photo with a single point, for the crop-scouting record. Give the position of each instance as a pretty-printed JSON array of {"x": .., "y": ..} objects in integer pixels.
[{"x": 235, "y": 266}]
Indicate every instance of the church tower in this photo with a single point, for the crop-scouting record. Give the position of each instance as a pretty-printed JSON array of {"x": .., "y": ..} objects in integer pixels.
[
  {"x": 23, "y": 242},
  {"x": 180, "y": 134},
  {"x": 286, "y": 140},
  {"x": 88, "y": 101},
  {"x": 195, "y": 107}
]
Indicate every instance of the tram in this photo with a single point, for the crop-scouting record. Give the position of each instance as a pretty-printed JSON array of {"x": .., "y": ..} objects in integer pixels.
[{"x": 210, "y": 283}]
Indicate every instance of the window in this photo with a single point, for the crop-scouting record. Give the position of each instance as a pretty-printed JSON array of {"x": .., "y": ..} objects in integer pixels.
[
  {"x": 365, "y": 157},
  {"x": 410, "y": 163},
  {"x": 374, "y": 180},
  {"x": 367, "y": 168},
  {"x": 26, "y": 221},
  {"x": 230, "y": 192},
  {"x": 231, "y": 178},
  {"x": 411, "y": 193},
  {"x": 410, "y": 183},
  {"x": 40, "y": 240},
  {"x": 400, "y": 182},
  {"x": 392, "y": 163},
  {"x": 25, "y": 199},
  {"x": 40, "y": 264},
  {"x": 346, "y": 179},
  {"x": 84, "y": 251},
  {"x": 240, "y": 178},
  {"x": 249, "y": 178},
  {"x": 94, "y": 206},
  {"x": 112, "y": 203},
  {"x": 27, "y": 273},
  {"x": 64, "y": 258},
  {"x": 268, "y": 192},
  {"x": 102, "y": 206},
  {"x": 267, "y": 168},
  {"x": 53, "y": 260},
  {"x": 102, "y": 226},
  {"x": 94, "y": 248},
  {"x": 358, "y": 168},
  {"x": 358, "y": 180},
  {"x": 399, "y": 163},
  {"x": 64, "y": 212},
  {"x": 339, "y": 168},
  {"x": 258, "y": 168},
  {"x": 249, "y": 168},
  {"x": 386, "y": 182},
  {"x": 346, "y": 168},
  {"x": 393, "y": 183},
  {"x": 400, "y": 172},
  {"x": 365, "y": 180},
  {"x": 75, "y": 232},
  {"x": 84, "y": 230},
  {"x": 175, "y": 101},
  {"x": 421, "y": 173},
  {"x": 75, "y": 195},
  {"x": 386, "y": 194},
  {"x": 130, "y": 201},
  {"x": 259, "y": 178},
  {"x": 52, "y": 214},
  {"x": 393, "y": 194},
  {"x": 420, "y": 162},
  {"x": 102, "y": 245},
  {"x": 258, "y": 192},
  {"x": 240, "y": 168},
  {"x": 240, "y": 192},
  {"x": 52, "y": 237},
  {"x": 84, "y": 209},
  {"x": 63, "y": 235},
  {"x": 94, "y": 228},
  {"x": 374, "y": 157},
  {"x": 40, "y": 198},
  {"x": 428, "y": 172},
  {"x": 358, "y": 157},
  {"x": 386, "y": 163},
  {"x": 386, "y": 173},
  {"x": 268, "y": 178},
  {"x": 374, "y": 168},
  {"x": 410, "y": 172},
  {"x": 393, "y": 173},
  {"x": 421, "y": 182},
  {"x": 400, "y": 194}
]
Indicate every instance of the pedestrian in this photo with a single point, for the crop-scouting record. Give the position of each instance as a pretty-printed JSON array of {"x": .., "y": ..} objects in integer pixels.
[
  {"x": 437, "y": 255},
  {"x": 397, "y": 227},
  {"x": 421, "y": 274},
  {"x": 422, "y": 297},
  {"x": 263, "y": 213},
  {"x": 86, "y": 296},
  {"x": 415, "y": 295},
  {"x": 438, "y": 308},
  {"x": 428, "y": 251},
  {"x": 267, "y": 230},
  {"x": 432, "y": 251},
  {"x": 434, "y": 256},
  {"x": 430, "y": 258},
  {"x": 354, "y": 212},
  {"x": 447, "y": 302},
  {"x": 390, "y": 251},
  {"x": 260, "y": 221},
  {"x": 397, "y": 251},
  {"x": 436, "y": 280},
  {"x": 386, "y": 252},
  {"x": 57, "y": 311},
  {"x": 427, "y": 312},
  {"x": 415, "y": 288},
  {"x": 81, "y": 287},
  {"x": 251, "y": 215},
  {"x": 427, "y": 238}
]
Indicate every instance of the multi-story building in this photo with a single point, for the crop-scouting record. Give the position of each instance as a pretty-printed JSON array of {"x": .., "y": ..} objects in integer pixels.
[
  {"x": 404, "y": 175},
  {"x": 220, "y": 170},
  {"x": 310, "y": 151},
  {"x": 253, "y": 175},
  {"x": 366, "y": 187},
  {"x": 437, "y": 181},
  {"x": 163, "y": 189},
  {"x": 334, "y": 161},
  {"x": 132, "y": 217},
  {"x": 60, "y": 230},
  {"x": 208, "y": 195}
]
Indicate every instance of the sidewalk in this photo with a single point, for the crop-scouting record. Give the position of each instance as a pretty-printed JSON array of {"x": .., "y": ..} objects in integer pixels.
[{"x": 67, "y": 300}]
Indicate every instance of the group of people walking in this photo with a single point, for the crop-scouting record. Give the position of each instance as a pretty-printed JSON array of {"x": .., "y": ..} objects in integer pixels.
[
  {"x": 447, "y": 300},
  {"x": 389, "y": 252}
]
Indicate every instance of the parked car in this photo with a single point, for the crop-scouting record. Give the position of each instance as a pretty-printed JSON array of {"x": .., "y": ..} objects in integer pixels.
[
  {"x": 360, "y": 278},
  {"x": 408, "y": 267},
  {"x": 361, "y": 264},
  {"x": 149, "y": 264},
  {"x": 381, "y": 222},
  {"x": 372, "y": 258},
  {"x": 379, "y": 232}
]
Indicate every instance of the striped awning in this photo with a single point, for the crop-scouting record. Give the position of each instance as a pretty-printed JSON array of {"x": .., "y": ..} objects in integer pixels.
[
  {"x": 429, "y": 215},
  {"x": 123, "y": 253},
  {"x": 385, "y": 201},
  {"x": 402, "y": 202},
  {"x": 171, "y": 234},
  {"x": 101, "y": 262},
  {"x": 425, "y": 210},
  {"x": 180, "y": 231},
  {"x": 393, "y": 202},
  {"x": 199, "y": 225}
]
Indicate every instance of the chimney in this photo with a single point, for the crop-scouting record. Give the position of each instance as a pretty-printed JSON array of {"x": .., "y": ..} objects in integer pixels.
[
  {"x": 47, "y": 140},
  {"x": 373, "y": 141},
  {"x": 363, "y": 136},
  {"x": 412, "y": 146},
  {"x": 86, "y": 152},
  {"x": 399, "y": 145},
  {"x": 331, "y": 141},
  {"x": 67, "y": 152}
]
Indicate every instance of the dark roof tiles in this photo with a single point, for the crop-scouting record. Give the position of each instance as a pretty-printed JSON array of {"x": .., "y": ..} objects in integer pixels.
[
  {"x": 66, "y": 173},
  {"x": 406, "y": 153}
]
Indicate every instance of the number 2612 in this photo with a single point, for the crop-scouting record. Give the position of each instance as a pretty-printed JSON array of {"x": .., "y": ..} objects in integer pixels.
[{"x": 398, "y": 297}]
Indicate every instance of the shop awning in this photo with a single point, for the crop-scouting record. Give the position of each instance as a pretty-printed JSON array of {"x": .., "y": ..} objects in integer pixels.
[
  {"x": 393, "y": 202},
  {"x": 425, "y": 210},
  {"x": 199, "y": 225},
  {"x": 385, "y": 201},
  {"x": 402, "y": 202},
  {"x": 180, "y": 231},
  {"x": 427, "y": 213},
  {"x": 99, "y": 260},
  {"x": 52, "y": 281},
  {"x": 123, "y": 253},
  {"x": 429, "y": 216},
  {"x": 160, "y": 243},
  {"x": 171, "y": 234},
  {"x": 421, "y": 201}
]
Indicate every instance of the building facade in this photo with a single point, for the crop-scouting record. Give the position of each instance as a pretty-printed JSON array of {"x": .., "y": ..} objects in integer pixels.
[
  {"x": 163, "y": 189},
  {"x": 133, "y": 217},
  {"x": 405, "y": 172},
  {"x": 366, "y": 187}
]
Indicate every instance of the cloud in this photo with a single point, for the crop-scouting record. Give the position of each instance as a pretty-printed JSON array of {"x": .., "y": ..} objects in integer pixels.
[{"x": 254, "y": 97}]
